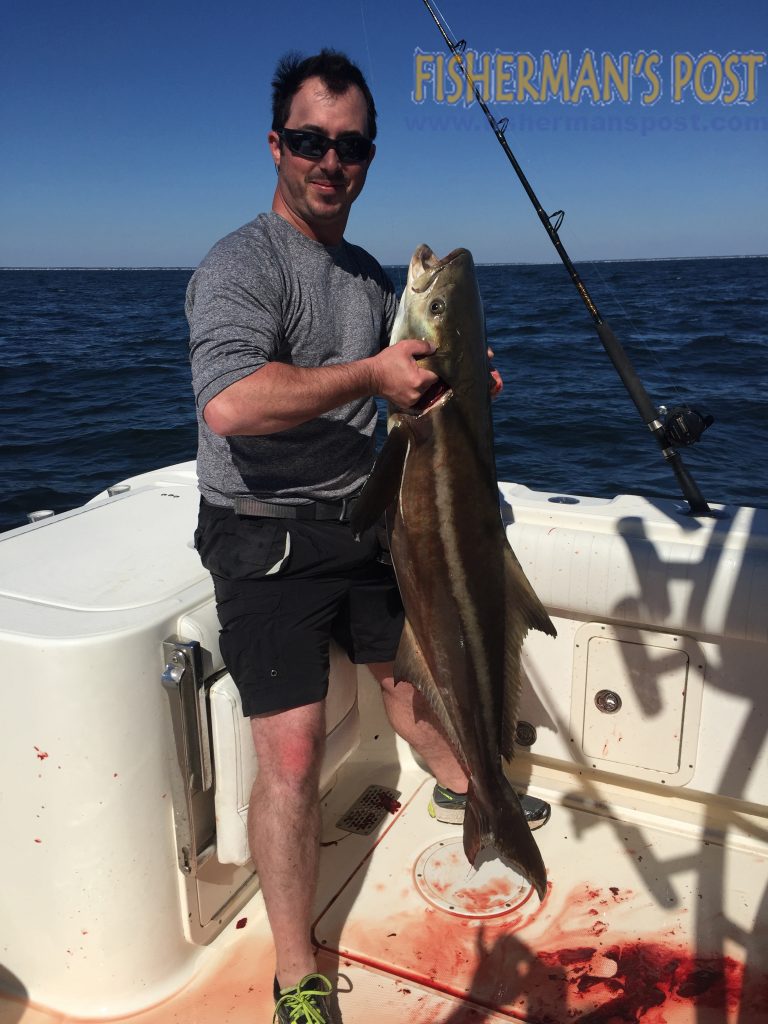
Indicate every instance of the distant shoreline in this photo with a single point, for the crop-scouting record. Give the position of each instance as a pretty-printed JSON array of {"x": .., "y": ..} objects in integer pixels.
[{"x": 510, "y": 263}]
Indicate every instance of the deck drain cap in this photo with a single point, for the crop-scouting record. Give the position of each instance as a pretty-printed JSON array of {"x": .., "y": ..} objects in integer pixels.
[
  {"x": 445, "y": 879},
  {"x": 369, "y": 810}
]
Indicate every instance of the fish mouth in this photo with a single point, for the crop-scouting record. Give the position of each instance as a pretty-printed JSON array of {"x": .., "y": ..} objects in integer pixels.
[
  {"x": 433, "y": 398},
  {"x": 425, "y": 266}
]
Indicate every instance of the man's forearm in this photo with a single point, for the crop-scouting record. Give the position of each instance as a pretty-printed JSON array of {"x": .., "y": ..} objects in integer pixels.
[{"x": 279, "y": 396}]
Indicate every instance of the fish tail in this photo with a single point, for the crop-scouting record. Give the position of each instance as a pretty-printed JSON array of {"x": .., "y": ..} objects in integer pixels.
[{"x": 500, "y": 823}]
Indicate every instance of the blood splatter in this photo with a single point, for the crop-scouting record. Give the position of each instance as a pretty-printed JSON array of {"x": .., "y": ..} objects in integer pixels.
[
  {"x": 576, "y": 956},
  {"x": 488, "y": 898},
  {"x": 542, "y": 970},
  {"x": 242, "y": 922},
  {"x": 699, "y": 982},
  {"x": 41, "y": 754},
  {"x": 651, "y": 975},
  {"x": 589, "y": 981},
  {"x": 389, "y": 803}
]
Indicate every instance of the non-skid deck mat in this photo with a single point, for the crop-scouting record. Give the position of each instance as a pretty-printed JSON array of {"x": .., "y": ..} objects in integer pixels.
[{"x": 369, "y": 810}]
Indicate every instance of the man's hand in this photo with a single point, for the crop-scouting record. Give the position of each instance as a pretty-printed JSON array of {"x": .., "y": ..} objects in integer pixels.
[
  {"x": 496, "y": 384},
  {"x": 396, "y": 374}
]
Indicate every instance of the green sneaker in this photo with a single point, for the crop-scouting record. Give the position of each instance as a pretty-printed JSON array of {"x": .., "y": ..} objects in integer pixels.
[
  {"x": 446, "y": 805},
  {"x": 306, "y": 1003},
  {"x": 449, "y": 807}
]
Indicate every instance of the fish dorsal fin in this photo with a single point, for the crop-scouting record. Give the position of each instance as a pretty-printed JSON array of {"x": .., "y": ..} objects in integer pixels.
[
  {"x": 382, "y": 486},
  {"x": 411, "y": 667},
  {"x": 524, "y": 611}
]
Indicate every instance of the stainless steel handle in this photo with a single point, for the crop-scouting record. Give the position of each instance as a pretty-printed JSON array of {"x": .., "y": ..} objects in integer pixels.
[{"x": 183, "y": 676}]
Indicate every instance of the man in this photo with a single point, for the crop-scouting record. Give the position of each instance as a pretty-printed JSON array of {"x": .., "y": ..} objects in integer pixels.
[{"x": 288, "y": 326}]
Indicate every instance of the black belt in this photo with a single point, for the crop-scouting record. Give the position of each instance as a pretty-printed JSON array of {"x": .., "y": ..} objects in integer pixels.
[{"x": 334, "y": 510}]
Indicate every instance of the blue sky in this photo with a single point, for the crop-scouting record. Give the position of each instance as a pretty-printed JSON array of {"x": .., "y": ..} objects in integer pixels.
[{"x": 134, "y": 134}]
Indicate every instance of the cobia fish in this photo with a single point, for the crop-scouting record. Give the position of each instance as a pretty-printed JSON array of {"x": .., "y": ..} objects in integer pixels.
[{"x": 468, "y": 603}]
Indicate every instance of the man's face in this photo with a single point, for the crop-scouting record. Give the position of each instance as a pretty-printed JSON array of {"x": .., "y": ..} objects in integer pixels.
[{"x": 316, "y": 195}]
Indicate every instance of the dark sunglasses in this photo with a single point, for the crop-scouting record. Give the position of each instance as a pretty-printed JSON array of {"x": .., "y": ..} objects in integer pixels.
[{"x": 351, "y": 149}]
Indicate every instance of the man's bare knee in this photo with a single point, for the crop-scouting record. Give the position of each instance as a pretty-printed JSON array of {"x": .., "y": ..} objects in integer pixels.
[{"x": 289, "y": 746}]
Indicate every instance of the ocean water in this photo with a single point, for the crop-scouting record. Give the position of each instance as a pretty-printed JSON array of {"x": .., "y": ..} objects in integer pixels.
[{"x": 95, "y": 382}]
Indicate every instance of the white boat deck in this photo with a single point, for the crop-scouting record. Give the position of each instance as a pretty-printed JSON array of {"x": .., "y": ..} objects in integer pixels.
[
  {"x": 647, "y": 918},
  {"x": 656, "y": 852}
]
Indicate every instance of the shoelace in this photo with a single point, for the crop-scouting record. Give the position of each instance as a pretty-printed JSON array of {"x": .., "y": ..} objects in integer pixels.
[{"x": 299, "y": 1001}]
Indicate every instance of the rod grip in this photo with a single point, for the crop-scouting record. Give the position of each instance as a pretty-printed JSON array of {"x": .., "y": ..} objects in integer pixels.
[{"x": 626, "y": 371}]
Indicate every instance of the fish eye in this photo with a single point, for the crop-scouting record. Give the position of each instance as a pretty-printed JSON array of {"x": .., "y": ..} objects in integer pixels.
[{"x": 437, "y": 306}]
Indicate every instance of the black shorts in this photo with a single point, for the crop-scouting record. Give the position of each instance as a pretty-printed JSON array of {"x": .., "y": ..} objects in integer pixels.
[{"x": 279, "y": 611}]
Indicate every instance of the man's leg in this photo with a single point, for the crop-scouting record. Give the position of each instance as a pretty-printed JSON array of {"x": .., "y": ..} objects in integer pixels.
[
  {"x": 413, "y": 719},
  {"x": 284, "y": 829}
]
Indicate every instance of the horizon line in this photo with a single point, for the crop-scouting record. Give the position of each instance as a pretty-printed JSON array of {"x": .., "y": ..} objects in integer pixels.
[{"x": 479, "y": 263}]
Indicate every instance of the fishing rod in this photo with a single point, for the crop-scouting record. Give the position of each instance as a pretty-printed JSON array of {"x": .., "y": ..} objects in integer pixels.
[{"x": 681, "y": 425}]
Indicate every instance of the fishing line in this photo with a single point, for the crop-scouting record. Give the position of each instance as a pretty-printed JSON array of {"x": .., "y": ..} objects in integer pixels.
[
  {"x": 633, "y": 330},
  {"x": 686, "y": 425},
  {"x": 399, "y": 273},
  {"x": 367, "y": 46},
  {"x": 444, "y": 20}
]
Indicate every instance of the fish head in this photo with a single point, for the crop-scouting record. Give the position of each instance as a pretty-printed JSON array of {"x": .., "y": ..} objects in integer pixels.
[{"x": 441, "y": 303}]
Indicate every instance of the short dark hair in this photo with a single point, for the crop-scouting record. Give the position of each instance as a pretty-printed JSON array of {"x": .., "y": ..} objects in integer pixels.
[{"x": 335, "y": 69}]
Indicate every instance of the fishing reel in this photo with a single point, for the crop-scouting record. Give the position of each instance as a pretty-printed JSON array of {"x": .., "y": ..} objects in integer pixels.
[{"x": 683, "y": 425}]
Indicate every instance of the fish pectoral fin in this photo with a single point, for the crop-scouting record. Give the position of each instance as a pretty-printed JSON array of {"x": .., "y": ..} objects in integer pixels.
[
  {"x": 411, "y": 667},
  {"x": 521, "y": 597},
  {"x": 383, "y": 485}
]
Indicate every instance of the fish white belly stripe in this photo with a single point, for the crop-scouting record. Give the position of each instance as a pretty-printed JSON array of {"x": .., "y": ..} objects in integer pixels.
[
  {"x": 400, "y": 492},
  {"x": 450, "y": 538}
]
